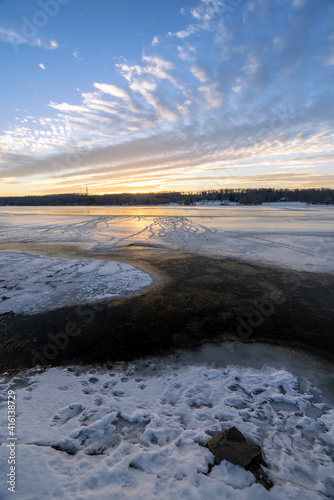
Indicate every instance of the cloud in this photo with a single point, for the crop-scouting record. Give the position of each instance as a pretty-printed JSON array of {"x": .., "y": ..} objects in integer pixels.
[
  {"x": 187, "y": 53},
  {"x": 210, "y": 89},
  {"x": 15, "y": 38},
  {"x": 145, "y": 80},
  {"x": 155, "y": 40},
  {"x": 41, "y": 65},
  {"x": 248, "y": 101},
  {"x": 195, "y": 13},
  {"x": 112, "y": 90},
  {"x": 199, "y": 73},
  {"x": 77, "y": 56},
  {"x": 160, "y": 69},
  {"x": 191, "y": 29},
  {"x": 212, "y": 94},
  {"x": 68, "y": 108}
]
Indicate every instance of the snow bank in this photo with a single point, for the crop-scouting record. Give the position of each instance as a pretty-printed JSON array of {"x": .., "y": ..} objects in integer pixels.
[
  {"x": 31, "y": 284},
  {"x": 138, "y": 431}
]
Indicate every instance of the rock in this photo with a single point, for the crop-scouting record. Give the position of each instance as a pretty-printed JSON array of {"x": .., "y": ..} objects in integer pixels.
[{"x": 232, "y": 445}]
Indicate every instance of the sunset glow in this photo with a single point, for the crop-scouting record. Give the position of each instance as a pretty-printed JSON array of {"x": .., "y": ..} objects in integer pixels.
[{"x": 165, "y": 96}]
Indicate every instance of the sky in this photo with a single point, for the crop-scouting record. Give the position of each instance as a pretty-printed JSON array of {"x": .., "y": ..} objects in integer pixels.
[{"x": 157, "y": 95}]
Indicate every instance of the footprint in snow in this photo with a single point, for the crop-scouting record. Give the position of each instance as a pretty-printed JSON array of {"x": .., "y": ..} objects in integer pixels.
[
  {"x": 172, "y": 395},
  {"x": 63, "y": 416}
]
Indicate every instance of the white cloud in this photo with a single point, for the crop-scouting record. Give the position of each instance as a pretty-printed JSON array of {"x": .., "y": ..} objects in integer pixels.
[
  {"x": 77, "y": 56},
  {"x": 155, "y": 40},
  {"x": 184, "y": 108},
  {"x": 112, "y": 90},
  {"x": 186, "y": 53},
  {"x": 15, "y": 38},
  {"x": 195, "y": 13},
  {"x": 163, "y": 112},
  {"x": 156, "y": 67},
  {"x": 190, "y": 30},
  {"x": 68, "y": 108},
  {"x": 185, "y": 33},
  {"x": 252, "y": 65},
  {"x": 143, "y": 86},
  {"x": 41, "y": 65},
  {"x": 213, "y": 95},
  {"x": 160, "y": 68},
  {"x": 146, "y": 88},
  {"x": 144, "y": 80},
  {"x": 199, "y": 73}
]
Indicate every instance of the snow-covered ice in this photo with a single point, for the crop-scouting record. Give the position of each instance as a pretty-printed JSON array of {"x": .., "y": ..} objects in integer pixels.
[
  {"x": 30, "y": 284},
  {"x": 138, "y": 431},
  {"x": 290, "y": 236}
]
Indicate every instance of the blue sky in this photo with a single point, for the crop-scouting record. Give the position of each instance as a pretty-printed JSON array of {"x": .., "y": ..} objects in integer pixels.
[{"x": 165, "y": 95}]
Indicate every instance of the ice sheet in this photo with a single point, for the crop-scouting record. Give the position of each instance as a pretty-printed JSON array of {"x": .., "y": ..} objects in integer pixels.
[
  {"x": 30, "y": 284},
  {"x": 299, "y": 237}
]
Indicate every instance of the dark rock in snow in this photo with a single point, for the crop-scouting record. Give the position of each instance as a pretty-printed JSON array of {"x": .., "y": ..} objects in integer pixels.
[{"x": 232, "y": 445}]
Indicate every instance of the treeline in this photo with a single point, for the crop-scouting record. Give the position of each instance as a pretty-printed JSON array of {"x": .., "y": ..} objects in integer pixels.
[{"x": 250, "y": 196}]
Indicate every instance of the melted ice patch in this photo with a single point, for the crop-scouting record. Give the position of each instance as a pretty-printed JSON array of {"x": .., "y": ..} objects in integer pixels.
[
  {"x": 138, "y": 431},
  {"x": 30, "y": 284}
]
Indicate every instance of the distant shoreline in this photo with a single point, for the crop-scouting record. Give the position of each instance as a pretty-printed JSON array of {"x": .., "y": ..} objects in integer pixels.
[{"x": 248, "y": 196}]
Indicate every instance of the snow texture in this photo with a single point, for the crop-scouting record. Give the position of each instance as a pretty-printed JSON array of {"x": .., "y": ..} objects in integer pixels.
[
  {"x": 138, "y": 431},
  {"x": 31, "y": 284}
]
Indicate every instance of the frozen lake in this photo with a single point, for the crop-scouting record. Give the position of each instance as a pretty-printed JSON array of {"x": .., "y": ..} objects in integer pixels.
[
  {"x": 296, "y": 236},
  {"x": 138, "y": 430},
  {"x": 300, "y": 210}
]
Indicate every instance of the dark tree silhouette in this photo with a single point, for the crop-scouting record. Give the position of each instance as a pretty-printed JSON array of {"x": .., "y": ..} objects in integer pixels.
[{"x": 251, "y": 196}]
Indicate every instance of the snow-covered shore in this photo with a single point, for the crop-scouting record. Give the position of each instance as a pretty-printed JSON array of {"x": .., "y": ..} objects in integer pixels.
[{"x": 138, "y": 431}]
